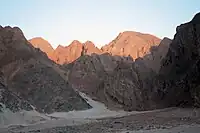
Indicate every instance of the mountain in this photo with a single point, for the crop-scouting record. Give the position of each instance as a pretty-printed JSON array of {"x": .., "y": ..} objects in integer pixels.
[
  {"x": 30, "y": 77},
  {"x": 167, "y": 76},
  {"x": 42, "y": 44},
  {"x": 130, "y": 43},
  {"x": 94, "y": 71}
]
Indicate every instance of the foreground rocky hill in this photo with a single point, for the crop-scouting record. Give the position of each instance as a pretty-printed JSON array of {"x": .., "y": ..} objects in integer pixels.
[{"x": 28, "y": 75}]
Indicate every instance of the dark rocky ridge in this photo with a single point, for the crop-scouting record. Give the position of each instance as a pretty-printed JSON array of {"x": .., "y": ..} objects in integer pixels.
[{"x": 29, "y": 74}]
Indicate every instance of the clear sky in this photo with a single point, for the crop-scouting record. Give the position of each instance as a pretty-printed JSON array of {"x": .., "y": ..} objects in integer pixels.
[{"x": 61, "y": 21}]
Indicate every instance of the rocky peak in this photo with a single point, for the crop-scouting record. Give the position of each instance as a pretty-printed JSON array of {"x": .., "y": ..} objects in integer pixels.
[
  {"x": 14, "y": 33},
  {"x": 89, "y": 44},
  {"x": 89, "y": 48},
  {"x": 42, "y": 44},
  {"x": 75, "y": 43},
  {"x": 60, "y": 47}
]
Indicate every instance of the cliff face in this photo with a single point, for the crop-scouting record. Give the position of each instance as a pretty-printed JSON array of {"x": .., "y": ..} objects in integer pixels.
[
  {"x": 179, "y": 76},
  {"x": 30, "y": 75}
]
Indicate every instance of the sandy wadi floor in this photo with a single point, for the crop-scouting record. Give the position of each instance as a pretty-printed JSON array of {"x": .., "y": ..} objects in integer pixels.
[{"x": 101, "y": 120}]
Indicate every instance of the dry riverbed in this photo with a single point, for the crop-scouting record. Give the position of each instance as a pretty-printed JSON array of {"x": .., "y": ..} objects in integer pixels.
[{"x": 174, "y": 120}]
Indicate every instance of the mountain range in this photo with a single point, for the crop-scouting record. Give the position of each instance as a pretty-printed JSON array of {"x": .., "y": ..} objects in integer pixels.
[
  {"x": 128, "y": 43},
  {"x": 135, "y": 71}
]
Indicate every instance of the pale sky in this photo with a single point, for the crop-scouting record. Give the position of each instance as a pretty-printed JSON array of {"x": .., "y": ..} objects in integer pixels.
[{"x": 100, "y": 21}]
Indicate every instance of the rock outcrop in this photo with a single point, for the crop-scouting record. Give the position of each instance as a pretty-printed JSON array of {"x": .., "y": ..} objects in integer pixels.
[
  {"x": 29, "y": 74},
  {"x": 43, "y": 45}
]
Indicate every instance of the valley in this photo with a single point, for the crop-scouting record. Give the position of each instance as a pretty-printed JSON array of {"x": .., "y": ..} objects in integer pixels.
[{"x": 136, "y": 83}]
